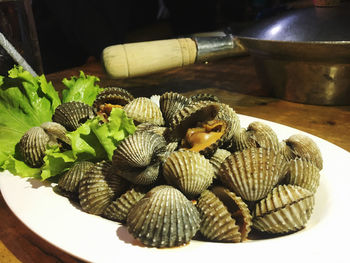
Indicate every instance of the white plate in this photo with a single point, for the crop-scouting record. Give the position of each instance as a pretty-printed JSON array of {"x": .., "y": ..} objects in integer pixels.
[{"x": 95, "y": 239}]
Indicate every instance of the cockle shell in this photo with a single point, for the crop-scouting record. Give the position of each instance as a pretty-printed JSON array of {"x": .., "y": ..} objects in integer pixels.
[
  {"x": 170, "y": 103},
  {"x": 73, "y": 114},
  {"x": 303, "y": 173},
  {"x": 164, "y": 217},
  {"x": 204, "y": 97},
  {"x": 217, "y": 159},
  {"x": 34, "y": 142},
  {"x": 33, "y": 145},
  {"x": 114, "y": 96},
  {"x": 144, "y": 110},
  {"x": 286, "y": 209},
  {"x": 229, "y": 115},
  {"x": 57, "y": 133},
  {"x": 188, "y": 171},
  {"x": 300, "y": 145},
  {"x": 119, "y": 209},
  {"x": 201, "y": 120},
  {"x": 151, "y": 127},
  {"x": 257, "y": 134},
  {"x": 225, "y": 217},
  {"x": 137, "y": 158},
  {"x": 69, "y": 181},
  {"x": 253, "y": 172},
  {"x": 189, "y": 116},
  {"x": 99, "y": 187}
]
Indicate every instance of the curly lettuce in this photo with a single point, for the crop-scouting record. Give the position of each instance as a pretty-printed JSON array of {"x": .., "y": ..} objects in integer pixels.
[
  {"x": 25, "y": 101},
  {"x": 82, "y": 89},
  {"x": 93, "y": 141}
]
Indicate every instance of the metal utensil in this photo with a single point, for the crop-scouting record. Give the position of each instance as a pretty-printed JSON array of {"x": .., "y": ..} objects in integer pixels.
[{"x": 301, "y": 56}]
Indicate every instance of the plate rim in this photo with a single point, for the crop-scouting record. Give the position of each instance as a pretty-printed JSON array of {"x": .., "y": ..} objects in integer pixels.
[{"x": 195, "y": 247}]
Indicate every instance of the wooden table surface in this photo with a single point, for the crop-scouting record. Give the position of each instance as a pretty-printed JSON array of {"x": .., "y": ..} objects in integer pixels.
[{"x": 233, "y": 80}]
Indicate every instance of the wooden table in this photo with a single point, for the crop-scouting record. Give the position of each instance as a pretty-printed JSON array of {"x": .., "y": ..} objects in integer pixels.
[{"x": 233, "y": 80}]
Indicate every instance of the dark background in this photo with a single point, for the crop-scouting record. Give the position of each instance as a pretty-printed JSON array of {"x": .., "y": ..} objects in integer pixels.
[{"x": 71, "y": 32}]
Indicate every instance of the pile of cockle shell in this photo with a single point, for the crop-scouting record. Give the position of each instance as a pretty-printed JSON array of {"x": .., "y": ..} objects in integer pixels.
[{"x": 189, "y": 171}]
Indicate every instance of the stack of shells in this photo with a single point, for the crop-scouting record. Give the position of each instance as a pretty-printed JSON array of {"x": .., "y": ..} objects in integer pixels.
[{"x": 190, "y": 171}]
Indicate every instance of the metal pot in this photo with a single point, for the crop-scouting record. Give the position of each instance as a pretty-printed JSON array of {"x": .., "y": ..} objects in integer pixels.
[
  {"x": 301, "y": 56},
  {"x": 304, "y": 55}
]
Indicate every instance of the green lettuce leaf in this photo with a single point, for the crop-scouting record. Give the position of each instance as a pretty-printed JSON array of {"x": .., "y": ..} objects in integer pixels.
[
  {"x": 18, "y": 167},
  {"x": 25, "y": 102},
  {"x": 56, "y": 162},
  {"x": 82, "y": 89},
  {"x": 93, "y": 141}
]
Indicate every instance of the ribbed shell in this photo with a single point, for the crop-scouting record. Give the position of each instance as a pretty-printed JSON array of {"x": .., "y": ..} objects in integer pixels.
[
  {"x": 137, "y": 158},
  {"x": 225, "y": 217},
  {"x": 229, "y": 115},
  {"x": 56, "y": 132},
  {"x": 118, "y": 210},
  {"x": 238, "y": 208},
  {"x": 240, "y": 141},
  {"x": 204, "y": 97},
  {"x": 257, "y": 134},
  {"x": 189, "y": 116},
  {"x": 33, "y": 145},
  {"x": 69, "y": 181},
  {"x": 304, "y": 174},
  {"x": 286, "y": 209},
  {"x": 164, "y": 217},
  {"x": 144, "y": 110},
  {"x": 151, "y": 128},
  {"x": 299, "y": 145},
  {"x": 253, "y": 172},
  {"x": 140, "y": 176},
  {"x": 139, "y": 149},
  {"x": 73, "y": 114},
  {"x": 263, "y": 135},
  {"x": 217, "y": 159},
  {"x": 114, "y": 96},
  {"x": 188, "y": 171},
  {"x": 217, "y": 223},
  {"x": 99, "y": 187},
  {"x": 170, "y": 103}
]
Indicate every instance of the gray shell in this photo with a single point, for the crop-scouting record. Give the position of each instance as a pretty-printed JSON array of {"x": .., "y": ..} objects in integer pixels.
[
  {"x": 286, "y": 209},
  {"x": 34, "y": 142},
  {"x": 257, "y": 134},
  {"x": 144, "y": 110},
  {"x": 303, "y": 173},
  {"x": 99, "y": 187},
  {"x": 203, "y": 113},
  {"x": 189, "y": 116},
  {"x": 73, "y": 114},
  {"x": 151, "y": 128},
  {"x": 225, "y": 217},
  {"x": 300, "y": 145},
  {"x": 170, "y": 103},
  {"x": 164, "y": 217},
  {"x": 204, "y": 97},
  {"x": 188, "y": 171},
  {"x": 253, "y": 172},
  {"x": 119, "y": 209},
  {"x": 114, "y": 96},
  {"x": 231, "y": 118},
  {"x": 33, "y": 145},
  {"x": 70, "y": 180},
  {"x": 137, "y": 158},
  {"x": 217, "y": 159}
]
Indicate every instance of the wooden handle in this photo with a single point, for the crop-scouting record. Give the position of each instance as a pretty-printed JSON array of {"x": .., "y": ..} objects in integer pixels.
[{"x": 137, "y": 59}]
